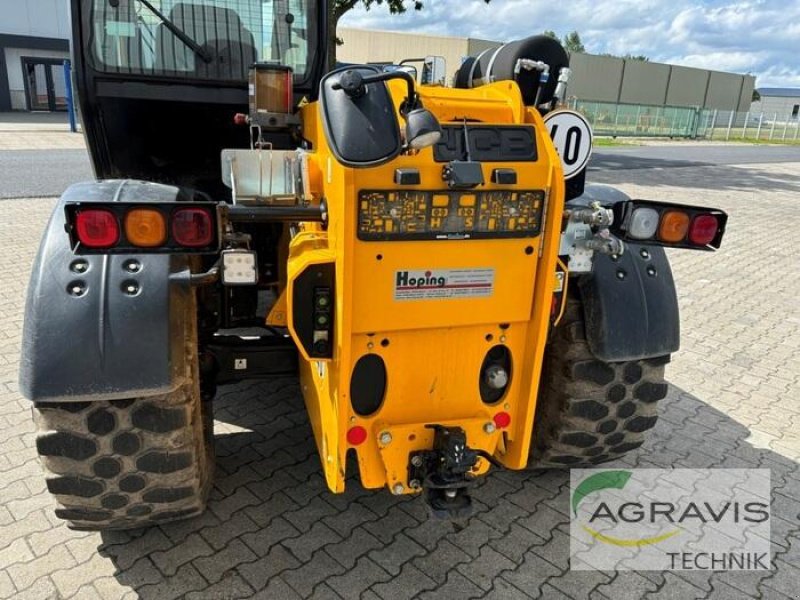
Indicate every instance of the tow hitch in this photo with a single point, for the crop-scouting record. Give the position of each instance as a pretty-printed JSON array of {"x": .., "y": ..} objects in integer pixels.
[{"x": 444, "y": 472}]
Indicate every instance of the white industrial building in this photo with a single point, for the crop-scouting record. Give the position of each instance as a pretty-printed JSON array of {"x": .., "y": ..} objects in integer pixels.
[
  {"x": 34, "y": 42},
  {"x": 778, "y": 101}
]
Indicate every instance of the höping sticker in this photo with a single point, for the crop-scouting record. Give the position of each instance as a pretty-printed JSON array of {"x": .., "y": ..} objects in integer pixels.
[{"x": 437, "y": 284}]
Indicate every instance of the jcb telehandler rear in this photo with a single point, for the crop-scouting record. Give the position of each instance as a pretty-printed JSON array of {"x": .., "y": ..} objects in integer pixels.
[{"x": 428, "y": 258}]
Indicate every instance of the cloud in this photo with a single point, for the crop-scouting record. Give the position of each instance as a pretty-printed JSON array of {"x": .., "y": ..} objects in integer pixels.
[
  {"x": 748, "y": 36},
  {"x": 736, "y": 62}
]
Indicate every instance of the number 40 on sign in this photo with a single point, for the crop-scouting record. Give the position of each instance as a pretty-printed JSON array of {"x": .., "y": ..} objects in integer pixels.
[{"x": 572, "y": 137}]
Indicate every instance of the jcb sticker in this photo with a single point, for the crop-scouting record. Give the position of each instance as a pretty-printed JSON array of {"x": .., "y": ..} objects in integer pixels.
[{"x": 443, "y": 283}]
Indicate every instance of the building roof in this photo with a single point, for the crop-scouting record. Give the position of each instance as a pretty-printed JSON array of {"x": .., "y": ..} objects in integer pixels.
[{"x": 780, "y": 92}]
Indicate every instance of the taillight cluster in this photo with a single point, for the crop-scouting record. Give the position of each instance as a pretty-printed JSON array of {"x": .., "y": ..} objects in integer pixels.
[
  {"x": 669, "y": 224},
  {"x": 156, "y": 227}
]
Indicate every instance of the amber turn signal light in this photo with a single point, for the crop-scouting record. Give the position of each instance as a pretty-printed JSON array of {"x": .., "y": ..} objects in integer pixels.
[
  {"x": 674, "y": 226},
  {"x": 145, "y": 227}
]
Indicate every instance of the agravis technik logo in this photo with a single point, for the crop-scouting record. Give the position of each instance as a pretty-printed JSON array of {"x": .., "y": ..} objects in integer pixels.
[{"x": 670, "y": 519}]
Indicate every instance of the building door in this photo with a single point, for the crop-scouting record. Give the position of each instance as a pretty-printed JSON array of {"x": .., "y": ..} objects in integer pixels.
[{"x": 45, "y": 88}]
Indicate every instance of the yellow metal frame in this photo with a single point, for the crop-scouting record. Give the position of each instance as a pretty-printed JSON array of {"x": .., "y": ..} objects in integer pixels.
[{"x": 432, "y": 349}]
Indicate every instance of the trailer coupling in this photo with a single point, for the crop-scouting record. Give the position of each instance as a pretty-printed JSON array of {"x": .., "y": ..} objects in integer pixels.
[{"x": 446, "y": 472}]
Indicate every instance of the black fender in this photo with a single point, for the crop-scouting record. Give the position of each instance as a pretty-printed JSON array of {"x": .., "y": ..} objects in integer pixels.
[
  {"x": 629, "y": 301},
  {"x": 104, "y": 327}
]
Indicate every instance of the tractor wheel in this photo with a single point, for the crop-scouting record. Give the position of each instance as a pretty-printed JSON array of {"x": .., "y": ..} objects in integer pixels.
[
  {"x": 589, "y": 411},
  {"x": 130, "y": 463}
]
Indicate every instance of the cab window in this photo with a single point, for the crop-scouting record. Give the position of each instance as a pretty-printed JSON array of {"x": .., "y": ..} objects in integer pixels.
[{"x": 128, "y": 37}]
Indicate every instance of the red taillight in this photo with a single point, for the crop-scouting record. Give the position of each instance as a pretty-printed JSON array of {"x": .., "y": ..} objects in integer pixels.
[
  {"x": 192, "y": 227},
  {"x": 356, "y": 435},
  {"x": 97, "y": 228},
  {"x": 703, "y": 229},
  {"x": 502, "y": 420}
]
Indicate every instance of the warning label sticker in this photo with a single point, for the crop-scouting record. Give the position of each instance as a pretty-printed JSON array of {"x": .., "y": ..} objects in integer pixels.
[{"x": 443, "y": 283}]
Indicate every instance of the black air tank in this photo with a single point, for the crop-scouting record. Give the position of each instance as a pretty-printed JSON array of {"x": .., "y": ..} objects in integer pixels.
[{"x": 497, "y": 64}]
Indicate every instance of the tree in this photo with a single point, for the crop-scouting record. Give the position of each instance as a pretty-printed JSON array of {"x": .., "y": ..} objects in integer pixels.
[
  {"x": 756, "y": 96},
  {"x": 639, "y": 57},
  {"x": 339, "y": 7},
  {"x": 573, "y": 43}
]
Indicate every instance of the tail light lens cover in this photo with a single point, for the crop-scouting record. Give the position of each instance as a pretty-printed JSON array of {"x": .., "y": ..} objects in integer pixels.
[
  {"x": 644, "y": 223},
  {"x": 667, "y": 224},
  {"x": 674, "y": 226},
  {"x": 192, "y": 227},
  {"x": 143, "y": 227},
  {"x": 703, "y": 229},
  {"x": 96, "y": 228}
]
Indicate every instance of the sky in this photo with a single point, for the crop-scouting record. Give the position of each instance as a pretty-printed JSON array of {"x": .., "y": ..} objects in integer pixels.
[{"x": 760, "y": 37}]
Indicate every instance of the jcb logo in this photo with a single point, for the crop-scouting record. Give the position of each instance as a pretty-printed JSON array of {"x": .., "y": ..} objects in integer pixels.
[{"x": 405, "y": 279}]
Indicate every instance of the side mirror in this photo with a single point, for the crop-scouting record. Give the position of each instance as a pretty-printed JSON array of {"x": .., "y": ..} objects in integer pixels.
[
  {"x": 422, "y": 128},
  {"x": 360, "y": 124},
  {"x": 359, "y": 117},
  {"x": 434, "y": 71}
]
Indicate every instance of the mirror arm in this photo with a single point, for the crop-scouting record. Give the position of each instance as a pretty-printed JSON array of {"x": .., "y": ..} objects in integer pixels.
[
  {"x": 412, "y": 100},
  {"x": 411, "y": 95}
]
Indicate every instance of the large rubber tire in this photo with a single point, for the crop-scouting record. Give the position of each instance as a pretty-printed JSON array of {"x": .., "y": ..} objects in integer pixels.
[
  {"x": 131, "y": 463},
  {"x": 589, "y": 411}
]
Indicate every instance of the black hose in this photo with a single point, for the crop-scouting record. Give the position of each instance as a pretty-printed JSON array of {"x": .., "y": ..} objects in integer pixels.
[{"x": 492, "y": 460}]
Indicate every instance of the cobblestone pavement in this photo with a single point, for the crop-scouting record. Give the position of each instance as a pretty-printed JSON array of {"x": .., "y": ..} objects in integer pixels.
[{"x": 272, "y": 529}]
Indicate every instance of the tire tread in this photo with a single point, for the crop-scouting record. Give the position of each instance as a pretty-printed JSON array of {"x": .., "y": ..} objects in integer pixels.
[{"x": 582, "y": 416}]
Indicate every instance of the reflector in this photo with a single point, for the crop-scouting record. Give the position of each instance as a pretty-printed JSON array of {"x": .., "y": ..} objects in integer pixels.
[
  {"x": 145, "y": 227},
  {"x": 192, "y": 227},
  {"x": 502, "y": 420},
  {"x": 356, "y": 435},
  {"x": 97, "y": 228},
  {"x": 644, "y": 223},
  {"x": 703, "y": 230},
  {"x": 673, "y": 227}
]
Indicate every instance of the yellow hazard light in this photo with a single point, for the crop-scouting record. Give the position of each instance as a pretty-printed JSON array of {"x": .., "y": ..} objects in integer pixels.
[{"x": 145, "y": 227}]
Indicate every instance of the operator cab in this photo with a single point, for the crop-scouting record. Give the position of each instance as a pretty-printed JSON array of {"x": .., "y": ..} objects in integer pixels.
[{"x": 160, "y": 80}]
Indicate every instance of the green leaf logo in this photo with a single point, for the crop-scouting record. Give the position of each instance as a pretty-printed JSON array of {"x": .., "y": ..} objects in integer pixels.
[
  {"x": 602, "y": 481},
  {"x": 597, "y": 482}
]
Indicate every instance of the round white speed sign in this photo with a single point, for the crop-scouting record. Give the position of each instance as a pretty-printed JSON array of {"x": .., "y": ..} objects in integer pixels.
[{"x": 572, "y": 137}]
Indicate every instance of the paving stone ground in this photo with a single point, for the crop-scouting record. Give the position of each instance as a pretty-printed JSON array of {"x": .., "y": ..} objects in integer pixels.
[
  {"x": 37, "y": 131},
  {"x": 272, "y": 529}
]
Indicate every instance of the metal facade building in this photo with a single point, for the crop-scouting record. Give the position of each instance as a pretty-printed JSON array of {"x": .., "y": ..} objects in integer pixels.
[
  {"x": 780, "y": 101},
  {"x": 34, "y": 41},
  {"x": 595, "y": 78}
]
